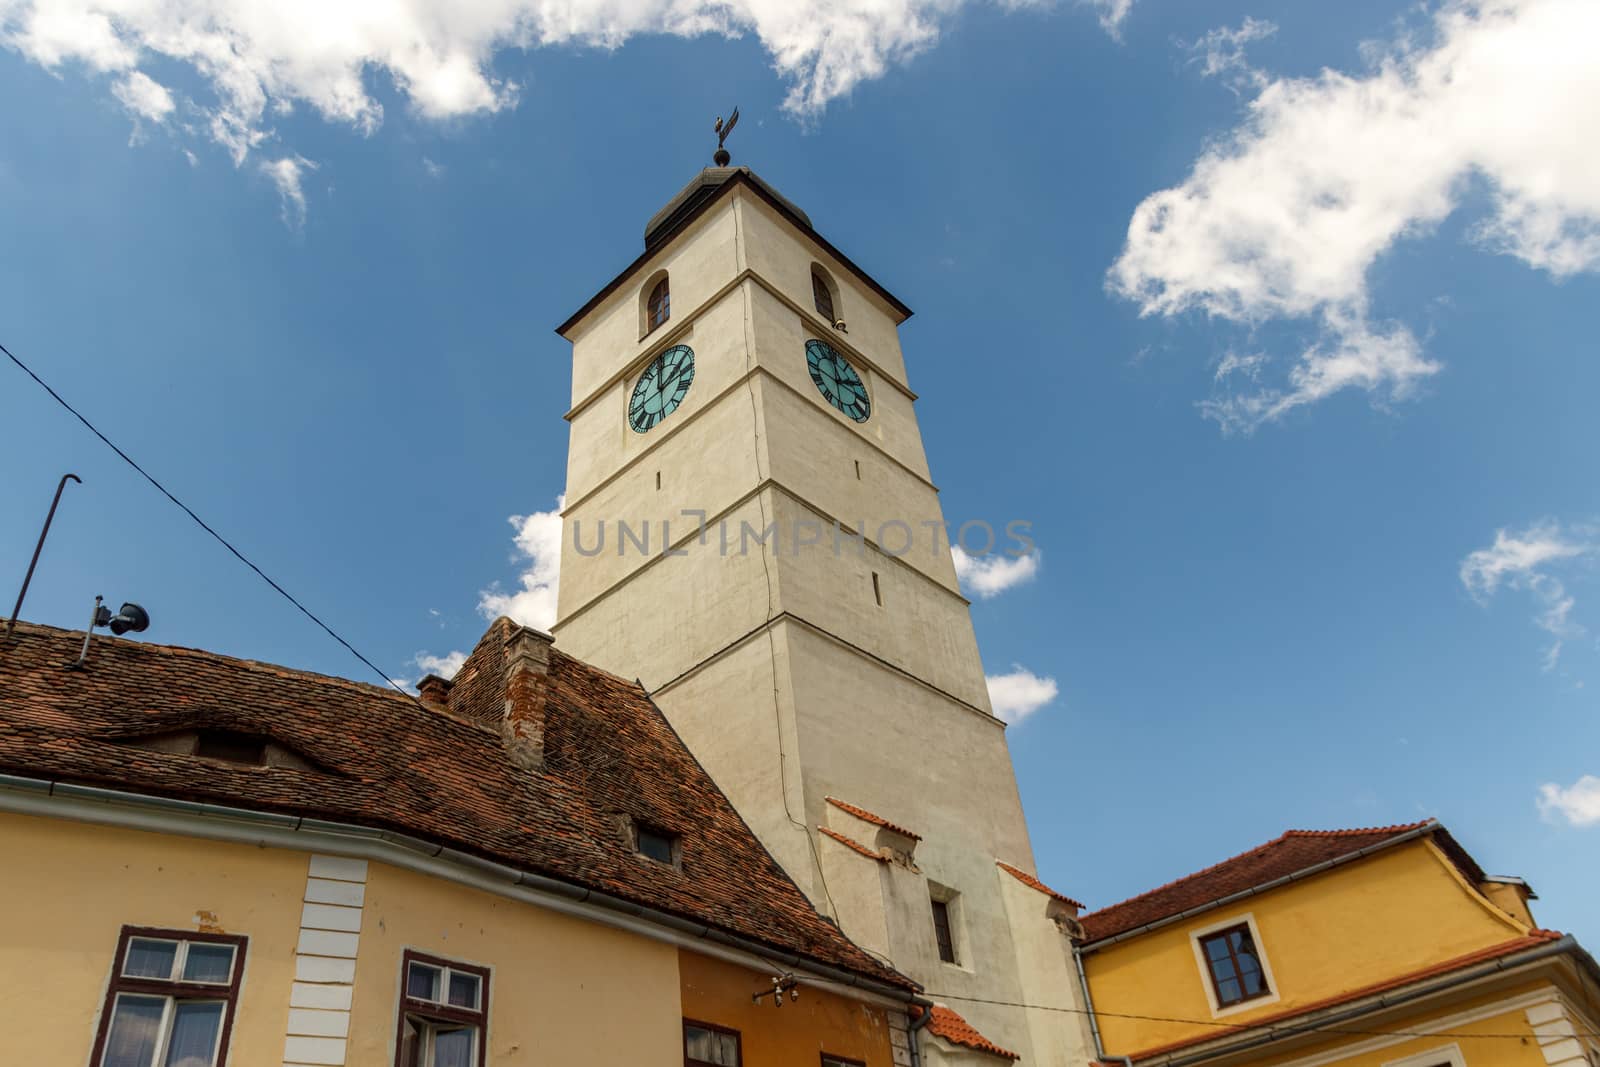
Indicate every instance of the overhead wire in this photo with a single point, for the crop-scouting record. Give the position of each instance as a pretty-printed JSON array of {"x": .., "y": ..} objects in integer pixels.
[{"x": 223, "y": 541}]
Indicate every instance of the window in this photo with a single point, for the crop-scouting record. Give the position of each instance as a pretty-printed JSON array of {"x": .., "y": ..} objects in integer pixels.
[
  {"x": 822, "y": 296},
  {"x": 839, "y": 1061},
  {"x": 877, "y": 594},
  {"x": 710, "y": 1046},
  {"x": 444, "y": 1011},
  {"x": 658, "y": 308},
  {"x": 1235, "y": 965},
  {"x": 170, "y": 1000},
  {"x": 657, "y": 844},
  {"x": 230, "y": 746},
  {"x": 943, "y": 932}
]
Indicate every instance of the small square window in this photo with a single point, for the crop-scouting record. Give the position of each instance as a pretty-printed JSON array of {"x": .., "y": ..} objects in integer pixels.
[
  {"x": 839, "y": 1061},
  {"x": 463, "y": 990},
  {"x": 705, "y": 1045},
  {"x": 443, "y": 1014},
  {"x": 211, "y": 964},
  {"x": 1235, "y": 967},
  {"x": 149, "y": 958},
  {"x": 657, "y": 844},
  {"x": 422, "y": 982}
]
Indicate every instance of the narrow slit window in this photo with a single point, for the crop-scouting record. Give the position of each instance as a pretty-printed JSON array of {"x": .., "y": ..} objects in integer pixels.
[
  {"x": 659, "y": 307},
  {"x": 877, "y": 590},
  {"x": 858, "y": 470},
  {"x": 658, "y": 479},
  {"x": 943, "y": 933}
]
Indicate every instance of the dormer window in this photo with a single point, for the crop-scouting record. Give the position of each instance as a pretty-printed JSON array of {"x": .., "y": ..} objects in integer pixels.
[
  {"x": 230, "y": 746},
  {"x": 657, "y": 844},
  {"x": 822, "y": 297},
  {"x": 658, "y": 309}
]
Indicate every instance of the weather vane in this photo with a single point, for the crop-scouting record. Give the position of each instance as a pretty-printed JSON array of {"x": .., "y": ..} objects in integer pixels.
[{"x": 722, "y": 158}]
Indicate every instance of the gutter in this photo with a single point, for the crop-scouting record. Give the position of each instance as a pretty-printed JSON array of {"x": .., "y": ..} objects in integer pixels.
[
  {"x": 1567, "y": 944},
  {"x": 140, "y": 811},
  {"x": 1424, "y": 830}
]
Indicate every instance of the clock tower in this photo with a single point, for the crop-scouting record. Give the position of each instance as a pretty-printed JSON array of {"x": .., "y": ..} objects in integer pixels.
[{"x": 751, "y": 529}]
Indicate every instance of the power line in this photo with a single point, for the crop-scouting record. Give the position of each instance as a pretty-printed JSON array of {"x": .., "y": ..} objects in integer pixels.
[
  {"x": 223, "y": 541},
  {"x": 1287, "y": 1029}
]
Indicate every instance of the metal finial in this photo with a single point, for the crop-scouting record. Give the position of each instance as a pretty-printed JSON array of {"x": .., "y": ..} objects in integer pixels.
[{"x": 721, "y": 157}]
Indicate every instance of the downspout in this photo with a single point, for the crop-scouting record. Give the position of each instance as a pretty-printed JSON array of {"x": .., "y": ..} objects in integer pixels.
[
  {"x": 1088, "y": 1004},
  {"x": 911, "y": 1033}
]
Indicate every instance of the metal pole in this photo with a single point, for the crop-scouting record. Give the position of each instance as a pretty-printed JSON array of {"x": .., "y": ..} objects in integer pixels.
[
  {"x": 34, "y": 562},
  {"x": 94, "y": 620}
]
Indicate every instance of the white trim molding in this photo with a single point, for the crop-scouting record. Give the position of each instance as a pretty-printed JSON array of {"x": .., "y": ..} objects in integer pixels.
[
  {"x": 325, "y": 962},
  {"x": 1556, "y": 1034},
  {"x": 1196, "y": 935}
]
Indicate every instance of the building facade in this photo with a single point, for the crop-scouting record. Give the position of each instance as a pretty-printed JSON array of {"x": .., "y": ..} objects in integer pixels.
[
  {"x": 1387, "y": 947},
  {"x": 220, "y": 863},
  {"x": 751, "y": 529}
]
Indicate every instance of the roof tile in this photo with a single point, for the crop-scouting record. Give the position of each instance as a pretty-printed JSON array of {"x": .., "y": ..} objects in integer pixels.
[
  {"x": 953, "y": 1028},
  {"x": 876, "y": 820},
  {"x": 1033, "y": 883}
]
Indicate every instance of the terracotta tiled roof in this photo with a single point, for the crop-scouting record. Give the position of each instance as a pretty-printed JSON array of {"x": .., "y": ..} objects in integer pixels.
[
  {"x": 853, "y": 845},
  {"x": 1493, "y": 952},
  {"x": 1029, "y": 880},
  {"x": 878, "y": 820},
  {"x": 378, "y": 759},
  {"x": 1292, "y": 853},
  {"x": 953, "y": 1028}
]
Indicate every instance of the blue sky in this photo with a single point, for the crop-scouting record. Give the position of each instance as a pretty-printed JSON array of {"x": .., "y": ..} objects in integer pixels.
[{"x": 1275, "y": 320}]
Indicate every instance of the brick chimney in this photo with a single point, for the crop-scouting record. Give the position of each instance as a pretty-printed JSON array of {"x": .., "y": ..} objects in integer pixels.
[
  {"x": 434, "y": 690},
  {"x": 527, "y": 660}
]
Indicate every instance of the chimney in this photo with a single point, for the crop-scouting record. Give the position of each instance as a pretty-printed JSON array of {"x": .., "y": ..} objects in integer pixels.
[
  {"x": 527, "y": 659},
  {"x": 434, "y": 690}
]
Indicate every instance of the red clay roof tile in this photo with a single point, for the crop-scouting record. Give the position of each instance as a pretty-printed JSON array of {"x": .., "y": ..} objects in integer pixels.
[
  {"x": 1291, "y": 853},
  {"x": 877, "y": 820},
  {"x": 380, "y": 760},
  {"x": 953, "y": 1028},
  {"x": 854, "y": 845},
  {"x": 1029, "y": 880}
]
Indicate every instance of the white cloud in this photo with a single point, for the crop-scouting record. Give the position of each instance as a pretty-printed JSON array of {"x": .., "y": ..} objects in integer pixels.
[
  {"x": 1284, "y": 217},
  {"x": 444, "y": 666},
  {"x": 1578, "y": 803},
  {"x": 533, "y": 603},
  {"x": 1220, "y": 53},
  {"x": 992, "y": 574},
  {"x": 144, "y": 97},
  {"x": 286, "y": 175},
  {"x": 1112, "y": 14},
  {"x": 432, "y": 169},
  {"x": 1019, "y": 694},
  {"x": 261, "y": 59},
  {"x": 1525, "y": 561}
]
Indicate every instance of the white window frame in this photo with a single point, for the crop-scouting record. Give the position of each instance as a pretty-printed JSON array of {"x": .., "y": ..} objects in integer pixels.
[
  {"x": 428, "y": 1031},
  {"x": 1450, "y": 1054},
  {"x": 169, "y": 1014},
  {"x": 1199, "y": 934},
  {"x": 180, "y": 960},
  {"x": 445, "y": 972}
]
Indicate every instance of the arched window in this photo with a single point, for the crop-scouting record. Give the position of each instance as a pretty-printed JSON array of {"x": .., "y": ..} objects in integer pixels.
[
  {"x": 822, "y": 296},
  {"x": 658, "y": 308}
]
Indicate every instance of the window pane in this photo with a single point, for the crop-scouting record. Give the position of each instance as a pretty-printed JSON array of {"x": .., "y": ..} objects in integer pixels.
[
  {"x": 208, "y": 963},
  {"x": 410, "y": 1044},
  {"x": 452, "y": 1048},
  {"x": 135, "y": 1027},
  {"x": 1222, "y": 969},
  {"x": 463, "y": 990},
  {"x": 422, "y": 981},
  {"x": 1228, "y": 992},
  {"x": 1216, "y": 948},
  {"x": 711, "y": 1046},
  {"x": 195, "y": 1027},
  {"x": 148, "y": 958},
  {"x": 1254, "y": 983}
]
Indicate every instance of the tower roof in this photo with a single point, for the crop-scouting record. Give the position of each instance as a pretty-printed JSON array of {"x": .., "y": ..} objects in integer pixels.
[{"x": 705, "y": 189}]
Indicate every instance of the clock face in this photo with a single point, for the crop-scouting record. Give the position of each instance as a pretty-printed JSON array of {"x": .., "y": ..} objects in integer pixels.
[
  {"x": 661, "y": 388},
  {"x": 838, "y": 381}
]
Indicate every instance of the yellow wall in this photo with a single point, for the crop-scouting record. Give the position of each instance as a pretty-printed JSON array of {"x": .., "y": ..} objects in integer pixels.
[
  {"x": 794, "y": 1035},
  {"x": 563, "y": 990},
  {"x": 1396, "y": 912},
  {"x": 68, "y": 890}
]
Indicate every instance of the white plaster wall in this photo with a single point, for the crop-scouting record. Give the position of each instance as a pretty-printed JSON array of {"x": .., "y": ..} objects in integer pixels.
[{"x": 1048, "y": 975}]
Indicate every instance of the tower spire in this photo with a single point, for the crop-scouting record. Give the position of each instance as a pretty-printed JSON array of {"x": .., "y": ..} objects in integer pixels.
[{"x": 721, "y": 157}]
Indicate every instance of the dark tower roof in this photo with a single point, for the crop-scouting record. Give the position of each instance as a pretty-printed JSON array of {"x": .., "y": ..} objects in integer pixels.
[{"x": 702, "y": 188}]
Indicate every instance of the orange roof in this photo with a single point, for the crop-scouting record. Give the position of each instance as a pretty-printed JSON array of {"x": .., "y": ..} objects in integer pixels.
[
  {"x": 854, "y": 845},
  {"x": 1505, "y": 948},
  {"x": 946, "y": 1024},
  {"x": 1029, "y": 880},
  {"x": 878, "y": 820},
  {"x": 1293, "y": 853}
]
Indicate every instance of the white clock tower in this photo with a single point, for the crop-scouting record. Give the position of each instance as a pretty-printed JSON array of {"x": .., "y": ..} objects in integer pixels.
[{"x": 752, "y": 530}]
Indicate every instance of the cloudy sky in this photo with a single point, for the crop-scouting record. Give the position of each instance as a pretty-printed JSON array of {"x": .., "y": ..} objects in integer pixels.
[{"x": 1275, "y": 320}]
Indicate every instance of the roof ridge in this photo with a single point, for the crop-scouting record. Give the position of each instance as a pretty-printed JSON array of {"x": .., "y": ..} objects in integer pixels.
[
  {"x": 1286, "y": 835},
  {"x": 1032, "y": 882}
]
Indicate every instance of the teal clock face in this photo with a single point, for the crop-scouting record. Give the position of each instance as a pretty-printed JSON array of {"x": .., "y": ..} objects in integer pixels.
[
  {"x": 838, "y": 381},
  {"x": 661, "y": 388}
]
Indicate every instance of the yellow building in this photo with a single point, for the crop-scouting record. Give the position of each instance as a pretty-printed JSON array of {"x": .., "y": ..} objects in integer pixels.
[
  {"x": 212, "y": 861},
  {"x": 1383, "y": 947}
]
